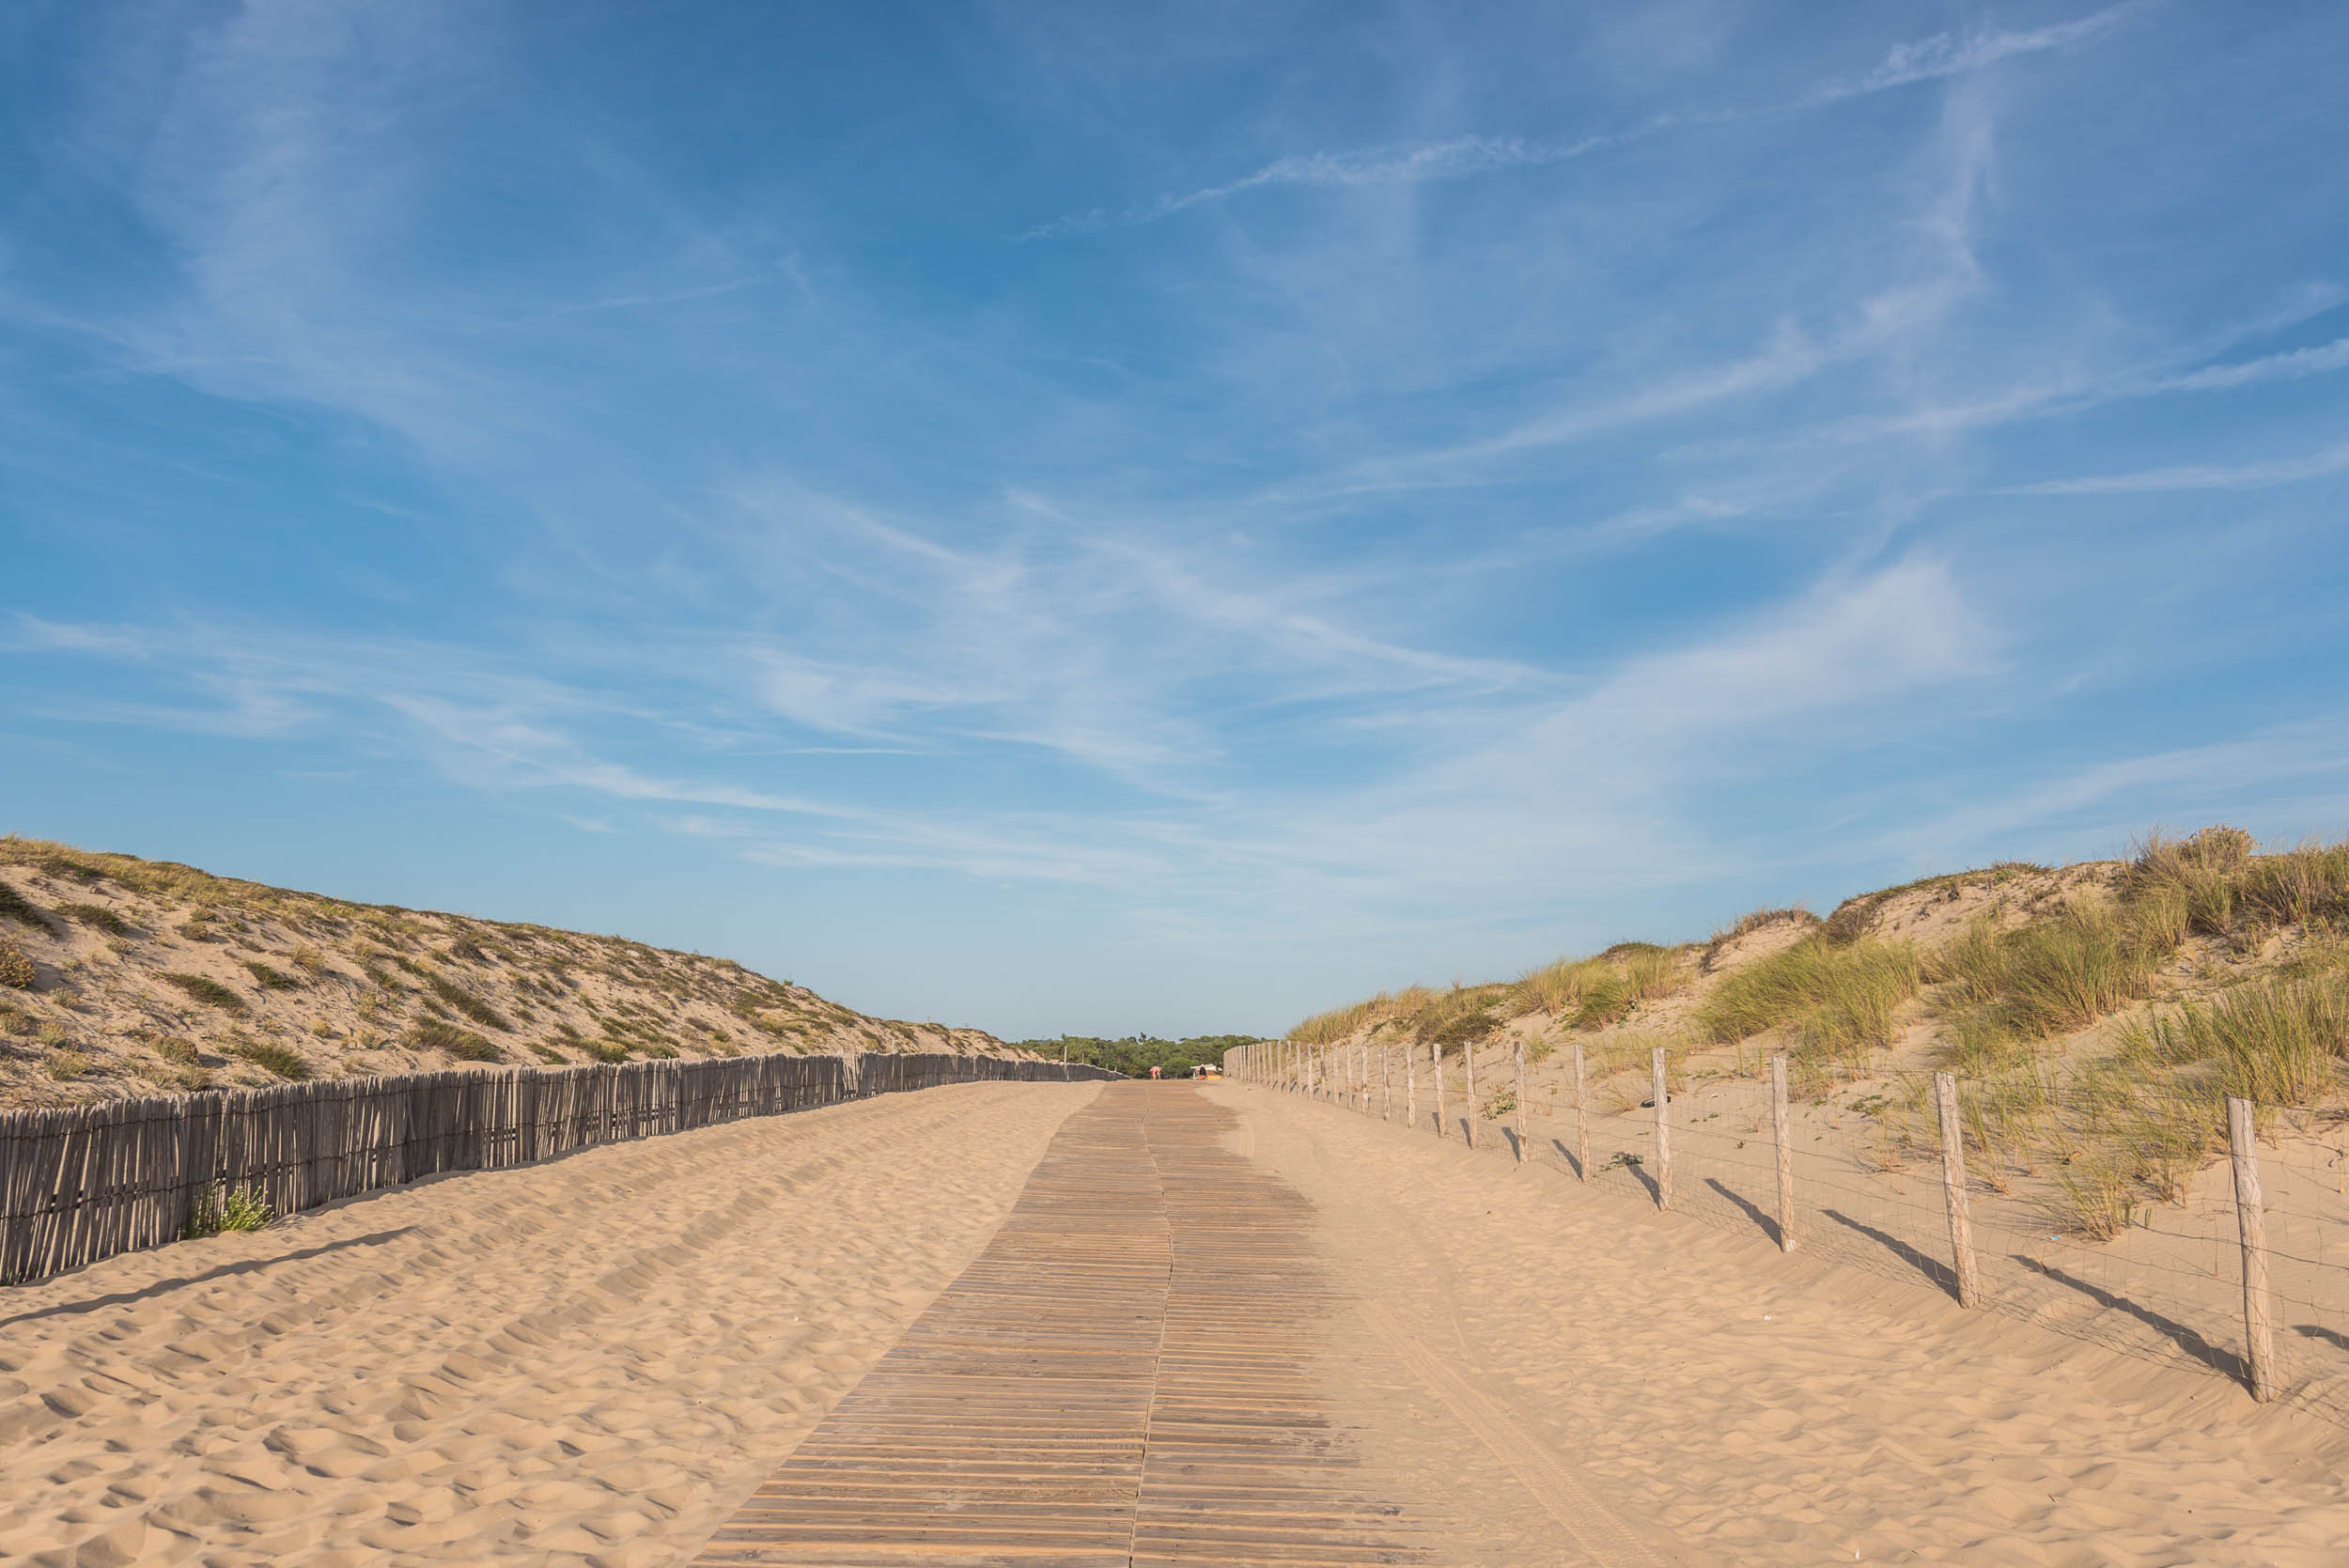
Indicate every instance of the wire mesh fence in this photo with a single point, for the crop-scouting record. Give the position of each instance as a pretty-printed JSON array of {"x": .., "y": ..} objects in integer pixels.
[
  {"x": 2124, "y": 1216},
  {"x": 81, "y": 1183}
]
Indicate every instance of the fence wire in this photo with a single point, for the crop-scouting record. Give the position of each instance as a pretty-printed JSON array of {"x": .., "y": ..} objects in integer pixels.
[{"x": 2113, "y": 1220}]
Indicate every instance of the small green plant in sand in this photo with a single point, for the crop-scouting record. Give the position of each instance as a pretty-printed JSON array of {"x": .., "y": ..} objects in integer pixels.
[
  {"x": 284, "y": 1061},
  {"x": 17, "y": 972},
  {"x": 466, "y": 1002},
  {"x": 449, "y": 1040},
  {"x": 209, "y": 992},
  {"x": 218, "y": 1210},
  {"x": 99, "y": 916},
  {"x": 269, "y": 979}
]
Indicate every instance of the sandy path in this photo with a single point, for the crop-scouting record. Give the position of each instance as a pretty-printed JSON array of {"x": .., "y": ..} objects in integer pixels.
[
  {"x": 1564, "y": 1376},
  {"x": 588, "y": 1361}
]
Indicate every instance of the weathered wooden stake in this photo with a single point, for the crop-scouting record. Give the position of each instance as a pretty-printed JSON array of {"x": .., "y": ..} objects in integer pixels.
[
  {"x": 1468, "y": 1089},
  {"x": 1581, "y": 1116},
  {"x": 2251, "y": 1212},
  {"x": 1953, "y": 1187},
  {"x": 1663, "y": 1130},
  {"x": 1521, "y": 1096},
  {"x": 1386, "y": 1081},
  {"x": 1435, "y": 1065},
  {"x": 1785, "y": 1154},
  {"x": 1410, "y": 1089}
]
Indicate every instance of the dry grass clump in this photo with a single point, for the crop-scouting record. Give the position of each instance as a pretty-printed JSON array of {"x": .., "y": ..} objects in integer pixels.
[
  {"x": 1748, "y": 923},
  {"x": 17, "y": 972},
  {"x": 1837, "y": 1001},
  {"x": 2224, "y": 888},
  {"x": 1592, "y": 993},
  {"x": 1855, "y": 916}
]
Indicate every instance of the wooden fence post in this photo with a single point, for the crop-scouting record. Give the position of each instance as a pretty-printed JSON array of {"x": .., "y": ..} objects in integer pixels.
[
  {"x": 2259, "y": 1326},
  {"x": 1663, "y": 1130},
  {"x": 1521, "y": 1096},
  {"x": 1953, "y": 1187},
  {"x": 1468, "y": 1087},
  {"x": 1386, "y": 1081},
  {"x": 1435, "y": 1064},
  {"x": 1785, "y": 1154},
  {"x": 1581, "y": 1114},
  {"x": 1410, "y": 1089}
]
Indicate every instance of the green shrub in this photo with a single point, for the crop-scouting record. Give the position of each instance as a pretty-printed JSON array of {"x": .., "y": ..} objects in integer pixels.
[
  {"x": 548, "y": 1054},
  {"x": 172, "y": 1049},
  {"x": 606, "y": 1050},
  {"x": 210, "y": 992}
]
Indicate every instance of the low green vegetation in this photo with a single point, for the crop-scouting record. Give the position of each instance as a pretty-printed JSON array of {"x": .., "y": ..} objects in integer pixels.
[
  {"x": 16, "y": 907},
  {"x": 270, "y": 979},
  {"x": 1135, "y": 1054},
  {"x": 449, "y": 1040},
  {"x": 466, "y": 1002},
  {"x": 99, "y": 916},
  {"x": 17, "y": 972},
  {"x": 217, "y": 1211},
  {"x": 286, "y": 1062},
  {"x": 209, "y": 992},
  {"x": 1836, "y": 1001}
]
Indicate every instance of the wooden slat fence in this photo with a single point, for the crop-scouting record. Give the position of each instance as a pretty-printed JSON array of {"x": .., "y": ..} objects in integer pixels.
[{"x": 81, "y": 1183}]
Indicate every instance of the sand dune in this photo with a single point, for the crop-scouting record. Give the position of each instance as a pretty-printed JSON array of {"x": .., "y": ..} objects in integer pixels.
[{"x": 587, "y": 1361}]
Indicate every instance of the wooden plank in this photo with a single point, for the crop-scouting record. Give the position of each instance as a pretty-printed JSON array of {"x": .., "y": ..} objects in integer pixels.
[{"x": 1123, "y": 1375}]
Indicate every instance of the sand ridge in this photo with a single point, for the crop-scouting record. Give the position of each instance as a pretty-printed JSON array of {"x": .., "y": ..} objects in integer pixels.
[{"x": 587, "y": 1361}]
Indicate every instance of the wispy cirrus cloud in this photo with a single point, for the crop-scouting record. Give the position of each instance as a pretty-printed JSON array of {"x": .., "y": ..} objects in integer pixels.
[
  {"x": 1955, "y": 53},
  {"x": 1944, "y": 55},
  {"x": 2198, "y": 477}
]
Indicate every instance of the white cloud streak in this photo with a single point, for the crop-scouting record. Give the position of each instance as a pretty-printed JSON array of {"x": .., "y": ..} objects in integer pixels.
[
  {"x": 1944, "y": 55},
  {"x": 2198, "y": 477}
]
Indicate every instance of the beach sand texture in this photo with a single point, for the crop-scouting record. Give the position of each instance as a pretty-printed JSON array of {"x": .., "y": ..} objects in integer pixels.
[
  {"x": 1546, "y": 1353},
  {"x": 598, "y": 1359},
  {"x": 587, "y": 1361}
]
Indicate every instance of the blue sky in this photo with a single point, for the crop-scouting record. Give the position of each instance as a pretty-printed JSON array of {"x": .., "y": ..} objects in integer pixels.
[{"x": 1076, "y": 517}]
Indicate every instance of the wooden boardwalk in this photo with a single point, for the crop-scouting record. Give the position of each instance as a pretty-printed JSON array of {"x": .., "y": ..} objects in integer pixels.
[{"x": 1114, "y": 1381}]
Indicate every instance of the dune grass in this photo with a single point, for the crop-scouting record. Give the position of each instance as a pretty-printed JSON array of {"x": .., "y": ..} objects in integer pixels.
[
  {"x": 209, "y": 992},
  {"x": 16, "y": 907},
  {"x": 99, "y": 916},
  {"x": 284, "y": 1061},
  {"x": 1836, "y": 1001},
  {"x": 269, "y": 979},
  {"x": 449, "y": 1040},
  {"x": 466, "y": 1002}
]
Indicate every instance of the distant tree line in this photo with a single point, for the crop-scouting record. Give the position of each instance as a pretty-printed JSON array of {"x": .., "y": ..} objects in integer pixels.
[{"x": 1136, "y": 1054}]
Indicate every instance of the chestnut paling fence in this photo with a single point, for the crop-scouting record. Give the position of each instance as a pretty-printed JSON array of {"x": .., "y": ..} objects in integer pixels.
[
  {"x": 2224, "y": 1241},
  {"x": 81, "y": 1183}
]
